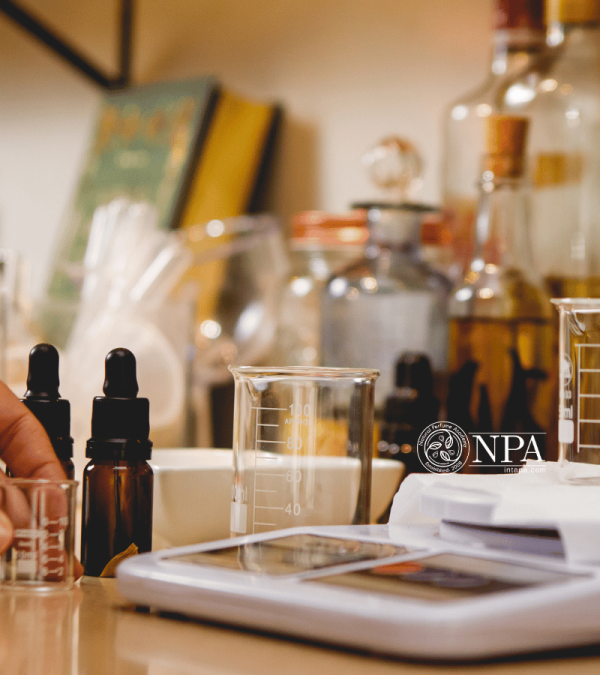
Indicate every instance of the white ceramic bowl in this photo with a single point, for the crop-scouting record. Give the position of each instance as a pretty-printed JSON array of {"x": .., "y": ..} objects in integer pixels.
[{"x": 192, "y": 493}]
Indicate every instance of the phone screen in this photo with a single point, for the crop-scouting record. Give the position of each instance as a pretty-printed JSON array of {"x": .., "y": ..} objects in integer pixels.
[
  {"x": 445, "y": 578},
  {"x": 292, "y": 554}
]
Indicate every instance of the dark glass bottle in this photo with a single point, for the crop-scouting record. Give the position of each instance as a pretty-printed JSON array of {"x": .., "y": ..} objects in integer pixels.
[
  {"x": 118, "y": 481},
  {"x": 44, "y": 401},
  {"x": 412, "y": 407}
]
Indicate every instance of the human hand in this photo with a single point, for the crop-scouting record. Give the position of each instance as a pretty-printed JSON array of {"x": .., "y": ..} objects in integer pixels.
[{"x": 27, "y": 452}]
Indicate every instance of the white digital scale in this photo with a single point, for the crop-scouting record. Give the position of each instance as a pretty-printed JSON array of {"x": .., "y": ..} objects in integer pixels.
[{"x": 396, "y": 590}]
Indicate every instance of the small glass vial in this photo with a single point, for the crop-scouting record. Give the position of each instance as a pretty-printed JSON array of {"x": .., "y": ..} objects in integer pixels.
[{"x": 118, "y": 481}]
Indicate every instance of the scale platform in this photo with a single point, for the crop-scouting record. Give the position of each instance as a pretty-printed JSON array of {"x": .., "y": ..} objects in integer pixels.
[{"x": 395, "y": 590}]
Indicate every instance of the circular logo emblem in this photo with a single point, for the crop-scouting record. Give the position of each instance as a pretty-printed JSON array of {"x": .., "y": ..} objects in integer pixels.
[{"x": 443, "y": 447}]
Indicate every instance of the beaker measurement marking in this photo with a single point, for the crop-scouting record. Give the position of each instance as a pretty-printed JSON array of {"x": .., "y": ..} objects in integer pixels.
[
  {"x": 26, "y": 533},
  {"x": 258, "y": 443},
  {"x": 266, "y": 408},
  {"x": 581, "y": 395}
]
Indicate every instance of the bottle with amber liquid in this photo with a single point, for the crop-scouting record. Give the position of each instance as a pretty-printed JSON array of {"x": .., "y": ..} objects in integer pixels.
[
  {"x": 501, "y": 332},
  {"x": 118, "y": 481}
]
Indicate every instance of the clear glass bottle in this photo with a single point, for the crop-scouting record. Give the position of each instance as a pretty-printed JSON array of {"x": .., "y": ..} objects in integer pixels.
[
  {"x": 518, "y": 41},
  {"x": 562, "y": 100},
  {"x": 501, "y": 360},
  {"x": 321, "y": 243}
]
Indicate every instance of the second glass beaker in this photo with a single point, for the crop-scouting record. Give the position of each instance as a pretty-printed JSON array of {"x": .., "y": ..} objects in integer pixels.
[
  {"x": 303, "y": 447},
  {"x": 579, "y": 392}
]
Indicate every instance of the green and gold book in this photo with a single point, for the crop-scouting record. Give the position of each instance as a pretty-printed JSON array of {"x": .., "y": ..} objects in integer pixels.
[{"x": 145, "y": 147}]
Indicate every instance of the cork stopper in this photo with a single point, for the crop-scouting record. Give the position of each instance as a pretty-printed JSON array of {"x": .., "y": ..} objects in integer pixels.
[
  {"x": 572, "y": 11},
  {"x": 505, "y": 140},
  {"x": 519, "y": 14}
]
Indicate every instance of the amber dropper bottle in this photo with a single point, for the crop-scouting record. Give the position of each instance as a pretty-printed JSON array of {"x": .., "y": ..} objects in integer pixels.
[
  {"x": 118, "y": 481},
  {"x": 44, "y": 401}
]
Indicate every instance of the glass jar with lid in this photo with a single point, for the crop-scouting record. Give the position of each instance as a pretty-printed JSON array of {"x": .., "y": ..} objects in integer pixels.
[
  {"x": 392, "y": 300},
  {"x": 388, "y": 302}
]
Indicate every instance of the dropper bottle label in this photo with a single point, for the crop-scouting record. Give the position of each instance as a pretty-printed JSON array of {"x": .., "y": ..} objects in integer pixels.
[{"x": 118, "y": 481}]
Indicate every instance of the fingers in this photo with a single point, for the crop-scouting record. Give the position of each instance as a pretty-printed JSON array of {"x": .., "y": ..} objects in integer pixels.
[
  {"x": 24, "y": 444},
  {"x": 6, "y": 532}
]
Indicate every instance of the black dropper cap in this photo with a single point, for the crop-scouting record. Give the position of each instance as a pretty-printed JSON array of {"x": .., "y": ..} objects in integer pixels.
[
  {"x": 44, "y": 401},
  {"x": 120, "y": 420}
]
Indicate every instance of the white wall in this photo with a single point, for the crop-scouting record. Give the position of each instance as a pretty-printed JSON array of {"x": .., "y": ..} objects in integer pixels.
[{"x": 348, "y": 72}]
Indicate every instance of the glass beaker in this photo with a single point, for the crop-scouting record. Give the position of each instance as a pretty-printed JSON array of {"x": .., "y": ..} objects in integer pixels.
[
  {"x": 579, "y": 391},
  {"x": 41, "y": 554},
  {"x": 303, "y": 447}
]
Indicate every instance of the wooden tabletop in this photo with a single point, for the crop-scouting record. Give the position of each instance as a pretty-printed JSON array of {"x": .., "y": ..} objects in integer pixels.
[{"x": 91, "y": 630}]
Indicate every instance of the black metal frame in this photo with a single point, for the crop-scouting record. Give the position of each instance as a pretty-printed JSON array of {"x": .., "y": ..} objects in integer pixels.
[{"x": 68, "y": 52}]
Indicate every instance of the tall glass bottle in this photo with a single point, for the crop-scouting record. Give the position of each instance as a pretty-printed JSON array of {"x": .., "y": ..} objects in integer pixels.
[
  {"x": 518, "y": 40},
  {"x": 501, "y": 332},
  {"x": 562, "y": 101}
]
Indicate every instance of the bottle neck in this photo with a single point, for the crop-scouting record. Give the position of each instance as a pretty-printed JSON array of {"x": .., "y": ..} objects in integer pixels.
[
  {"x": 514, "y": 49},
  {"x": 395, "y": 228},
  {"x": 502, "y": 226}
]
